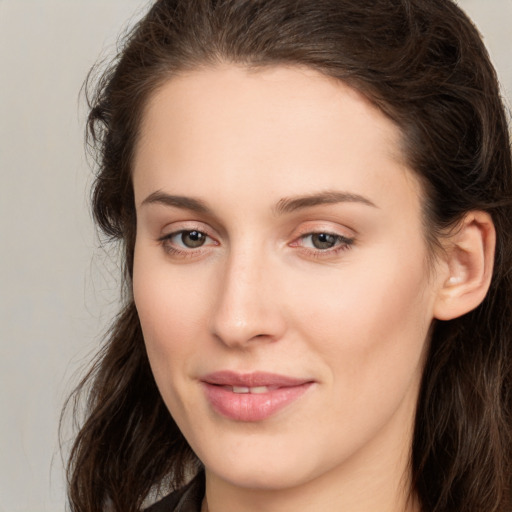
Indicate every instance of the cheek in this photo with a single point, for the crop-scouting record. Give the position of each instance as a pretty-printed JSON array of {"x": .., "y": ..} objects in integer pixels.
[
  {"x": 370, "y": 324},
  {"x": 371, "y": 336},
  {"x": 170, "y": 312}
]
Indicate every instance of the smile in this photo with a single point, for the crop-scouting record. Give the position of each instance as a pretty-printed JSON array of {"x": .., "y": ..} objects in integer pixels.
[{"x": 251, "y": 397}]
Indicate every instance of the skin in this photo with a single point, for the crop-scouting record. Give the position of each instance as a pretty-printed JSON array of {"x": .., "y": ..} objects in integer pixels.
[{"x": 259, "y": 295}]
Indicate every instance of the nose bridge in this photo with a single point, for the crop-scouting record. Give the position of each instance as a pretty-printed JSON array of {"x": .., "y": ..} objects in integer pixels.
[{"x": 245, "y": 309}]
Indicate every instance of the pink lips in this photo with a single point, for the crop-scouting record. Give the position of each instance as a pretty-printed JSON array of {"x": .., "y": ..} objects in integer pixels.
[{"x": 256, "y": 396}]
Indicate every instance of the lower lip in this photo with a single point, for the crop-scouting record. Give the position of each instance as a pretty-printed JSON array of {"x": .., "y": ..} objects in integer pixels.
[{"x": 252, "y": 406}]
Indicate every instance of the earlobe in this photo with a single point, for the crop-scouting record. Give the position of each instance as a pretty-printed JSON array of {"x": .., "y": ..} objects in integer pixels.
[{"x": 469, "y": 262}]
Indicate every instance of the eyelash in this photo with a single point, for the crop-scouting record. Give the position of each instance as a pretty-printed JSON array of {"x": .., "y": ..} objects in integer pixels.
[{"x": 342, "y": 244}]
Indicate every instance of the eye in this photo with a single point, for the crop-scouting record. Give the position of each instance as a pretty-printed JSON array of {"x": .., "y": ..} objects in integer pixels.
[
  {"x": 322, "y": 241},
  {"x": 325, "y": 241},
  {"x": 186, "y": 242},
  {"x": 189, "y": 239},
  {"x": 322, "y": 244}
]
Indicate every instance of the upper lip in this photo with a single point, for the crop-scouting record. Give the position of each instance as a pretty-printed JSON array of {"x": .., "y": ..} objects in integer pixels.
[{"x": 254, "y": 379}]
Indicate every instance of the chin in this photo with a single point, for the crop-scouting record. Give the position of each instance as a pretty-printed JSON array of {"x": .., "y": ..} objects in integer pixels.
[
  {"x": 269, "y": 470},
  {"x": 263, "y": 479}
]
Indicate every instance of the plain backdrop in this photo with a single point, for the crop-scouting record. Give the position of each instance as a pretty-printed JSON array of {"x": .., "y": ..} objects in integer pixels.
[{"x": 58, "y": 290}]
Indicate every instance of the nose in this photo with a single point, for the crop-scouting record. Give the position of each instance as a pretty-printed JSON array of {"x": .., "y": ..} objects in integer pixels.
[{"x": 247, "y": 309}]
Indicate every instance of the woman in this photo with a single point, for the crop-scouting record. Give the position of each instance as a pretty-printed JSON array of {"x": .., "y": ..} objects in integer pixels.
[{"x": 315, "y": 205}]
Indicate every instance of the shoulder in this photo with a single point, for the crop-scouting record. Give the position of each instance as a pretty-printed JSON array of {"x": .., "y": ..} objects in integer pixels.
[{"x": 186, "y": 499}]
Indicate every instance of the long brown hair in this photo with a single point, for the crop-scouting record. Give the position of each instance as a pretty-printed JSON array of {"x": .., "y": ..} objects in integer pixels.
[{"x": 422, "y": 62}]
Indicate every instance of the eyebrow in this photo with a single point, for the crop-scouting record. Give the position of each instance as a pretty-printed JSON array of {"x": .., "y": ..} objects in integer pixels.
[
  {"x": 288, "y": 205},
  {"x": 283, "y": 206},
  {"x": 187, "y": 203}
]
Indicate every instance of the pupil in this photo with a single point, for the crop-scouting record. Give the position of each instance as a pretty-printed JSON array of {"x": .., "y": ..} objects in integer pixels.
[
  {"x": 323, "y": 240},
  {"x": 192, "y": 238}
]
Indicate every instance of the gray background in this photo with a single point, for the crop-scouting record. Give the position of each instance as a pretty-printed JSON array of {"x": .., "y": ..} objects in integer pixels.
[{"x": 58, "y": 290}]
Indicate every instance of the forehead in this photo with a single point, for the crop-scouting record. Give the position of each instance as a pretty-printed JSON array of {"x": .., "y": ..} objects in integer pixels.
[{"x": 288, "y": 130}]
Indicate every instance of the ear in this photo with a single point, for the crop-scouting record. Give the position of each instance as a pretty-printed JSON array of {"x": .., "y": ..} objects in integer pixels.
[{"x": 466, "y": 266}]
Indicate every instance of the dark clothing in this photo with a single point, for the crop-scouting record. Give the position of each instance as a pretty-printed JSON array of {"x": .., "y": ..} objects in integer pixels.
[{"x": 187, "y": 499}]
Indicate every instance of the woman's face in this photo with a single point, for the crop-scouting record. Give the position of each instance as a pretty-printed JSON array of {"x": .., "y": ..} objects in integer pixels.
[{"x": 281, "y": 275}]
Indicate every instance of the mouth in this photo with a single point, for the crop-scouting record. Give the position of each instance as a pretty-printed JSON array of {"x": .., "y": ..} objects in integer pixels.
[{"x": 252, "y": 397}]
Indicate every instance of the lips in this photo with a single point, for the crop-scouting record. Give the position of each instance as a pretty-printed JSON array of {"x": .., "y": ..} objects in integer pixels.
[{"x": 253, "y": 396}]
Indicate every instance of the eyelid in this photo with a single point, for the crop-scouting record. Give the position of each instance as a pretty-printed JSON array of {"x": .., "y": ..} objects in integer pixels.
[
  {"x": 332, "y": 228},
  {"x": 179, "y": 227}
]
